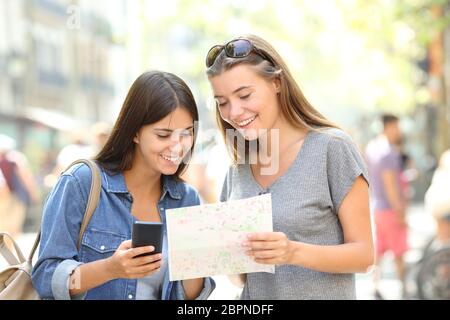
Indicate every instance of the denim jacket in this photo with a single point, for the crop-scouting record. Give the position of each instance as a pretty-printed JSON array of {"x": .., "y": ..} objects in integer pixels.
[{"x": 110, "y": 225}]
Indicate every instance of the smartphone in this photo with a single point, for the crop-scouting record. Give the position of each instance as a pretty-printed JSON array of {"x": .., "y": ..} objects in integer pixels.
[{"x": 147, "y": 234}]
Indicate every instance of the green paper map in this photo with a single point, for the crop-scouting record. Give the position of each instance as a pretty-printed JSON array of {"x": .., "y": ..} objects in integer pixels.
[{"x": 206, "y": 240}]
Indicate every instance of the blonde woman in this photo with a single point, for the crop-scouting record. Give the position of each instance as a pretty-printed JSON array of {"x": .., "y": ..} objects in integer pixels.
[{"x": 314, "y": 172}]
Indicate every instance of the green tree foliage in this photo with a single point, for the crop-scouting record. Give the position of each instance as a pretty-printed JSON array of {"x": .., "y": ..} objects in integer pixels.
[{"x": 349, "y": 57}]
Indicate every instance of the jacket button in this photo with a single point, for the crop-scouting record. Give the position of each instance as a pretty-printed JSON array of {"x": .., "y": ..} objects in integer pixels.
[
  {"x": 102, "y": 248},
  {"x": 130, "y": 296}
]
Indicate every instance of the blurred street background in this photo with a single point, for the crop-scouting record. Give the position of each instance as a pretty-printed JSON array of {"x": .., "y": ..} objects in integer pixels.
[{"x": 66, "y": 66}]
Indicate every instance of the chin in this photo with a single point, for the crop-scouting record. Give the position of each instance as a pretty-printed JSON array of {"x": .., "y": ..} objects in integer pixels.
[
  {"x": 250, "y": 134},
  {"x": 251, "y": 137},
  {"x": 168, "y": 172}
]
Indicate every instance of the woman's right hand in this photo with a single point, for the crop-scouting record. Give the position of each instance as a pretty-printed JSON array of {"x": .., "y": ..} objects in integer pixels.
[{"x": 123, "y": 264}]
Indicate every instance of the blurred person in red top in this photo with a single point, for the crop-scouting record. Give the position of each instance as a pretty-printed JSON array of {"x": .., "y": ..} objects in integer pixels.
[{"x": 389, "y": 201}]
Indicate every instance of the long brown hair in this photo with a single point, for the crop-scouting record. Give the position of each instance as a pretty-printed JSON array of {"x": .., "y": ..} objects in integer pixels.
[
  {"x": 294, "y": 105},
  {"x": 153, "y": 96}
]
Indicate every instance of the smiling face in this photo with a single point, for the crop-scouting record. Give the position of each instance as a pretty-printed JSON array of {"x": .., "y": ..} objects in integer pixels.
[
  {"x": 246, "y": 100},
  {"x": 161, "y": 146}
]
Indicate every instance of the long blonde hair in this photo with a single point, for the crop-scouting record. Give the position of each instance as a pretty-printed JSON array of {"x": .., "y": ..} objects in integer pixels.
[{"x": 294, "y": 106}]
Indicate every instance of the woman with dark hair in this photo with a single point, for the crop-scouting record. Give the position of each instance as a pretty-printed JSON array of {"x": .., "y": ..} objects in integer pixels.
[
  {"x": 141, "y": 163},
  {"x": 318, "y": 181}
]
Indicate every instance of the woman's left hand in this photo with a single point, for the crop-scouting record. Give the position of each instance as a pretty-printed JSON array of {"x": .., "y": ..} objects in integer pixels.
[{"x": 269, "y": 247}]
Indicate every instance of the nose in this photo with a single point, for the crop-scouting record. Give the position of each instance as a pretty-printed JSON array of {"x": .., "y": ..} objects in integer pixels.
[
  {"x": 176, "y": 148},
  {"x": 235, "y": 111}
]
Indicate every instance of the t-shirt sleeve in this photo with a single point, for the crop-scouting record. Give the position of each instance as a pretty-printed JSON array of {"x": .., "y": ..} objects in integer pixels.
[{"x": 344, "y": 165}]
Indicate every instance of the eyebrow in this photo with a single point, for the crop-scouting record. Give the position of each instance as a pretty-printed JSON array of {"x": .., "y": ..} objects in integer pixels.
[
  {"x": 170, "y": 130},
  {"x": 235, "y": 91}
]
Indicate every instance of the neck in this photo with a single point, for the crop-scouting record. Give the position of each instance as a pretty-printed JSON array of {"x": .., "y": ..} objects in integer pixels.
[
  {"x": 282, "y": 136},
  {"x": 140, "y": 180},
  {"x": 389, "y": 138}
]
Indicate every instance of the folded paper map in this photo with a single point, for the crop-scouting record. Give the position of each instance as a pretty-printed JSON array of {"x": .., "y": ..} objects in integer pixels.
[{"x": 206, "y": 240}]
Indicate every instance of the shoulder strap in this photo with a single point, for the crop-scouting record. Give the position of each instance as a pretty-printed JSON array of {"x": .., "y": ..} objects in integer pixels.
[
  {"x": 94, "y": 196},
  {"x": 7, "y": 254}
]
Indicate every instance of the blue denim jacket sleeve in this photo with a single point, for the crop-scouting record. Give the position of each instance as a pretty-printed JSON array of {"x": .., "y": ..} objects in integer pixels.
[
  {"x": 60, "y": 280},
  {"x": 58, "y": 253}
]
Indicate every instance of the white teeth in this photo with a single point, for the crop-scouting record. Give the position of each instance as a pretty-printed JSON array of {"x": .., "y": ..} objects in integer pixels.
[
  {"x": 246, "y": 122},
  {"x": 172, "y": 159}
]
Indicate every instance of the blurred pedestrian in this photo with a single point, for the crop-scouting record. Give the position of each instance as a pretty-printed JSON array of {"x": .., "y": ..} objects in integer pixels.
[
  {"x": 84, "y": 145},
  {"x": 100, "y": 132},
  {"x": 78, "y": 148},
  {"x": 22, "y": 189},
  {"x": 389, "y": 204},
  {"x": 437, "y": 198}
]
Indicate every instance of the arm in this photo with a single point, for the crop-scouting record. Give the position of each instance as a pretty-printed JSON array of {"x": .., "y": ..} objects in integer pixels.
[
  {"x": 355, "y": 255},
  {"x": 59, "y": 273},
  {"x": 192, "y": 288},
  {"x": 121, "y": 264},
  {"x": 94, "y": 275},
  {"x": 58, "y": 253},
  {"x": 392, "y": 191}
]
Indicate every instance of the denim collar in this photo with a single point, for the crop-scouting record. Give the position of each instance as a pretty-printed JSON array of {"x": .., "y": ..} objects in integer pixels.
[
  {"x": 171, "y": 186},
  {"x": 115, "y": 183}
]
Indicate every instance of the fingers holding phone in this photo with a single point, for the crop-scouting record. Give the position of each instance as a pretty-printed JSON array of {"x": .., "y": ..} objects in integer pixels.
[{"x": 128, "y": 263}]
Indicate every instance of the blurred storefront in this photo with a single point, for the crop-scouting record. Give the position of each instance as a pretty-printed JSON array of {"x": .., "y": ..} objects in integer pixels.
[
  {"x": 58, "y": 67},
  {"x": 59, "y": 62}
]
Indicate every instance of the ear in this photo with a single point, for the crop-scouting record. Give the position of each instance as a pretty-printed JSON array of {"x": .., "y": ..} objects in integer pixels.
[
  {"x": 277, "y": 84},
  {"x": 136, "y": 138}
]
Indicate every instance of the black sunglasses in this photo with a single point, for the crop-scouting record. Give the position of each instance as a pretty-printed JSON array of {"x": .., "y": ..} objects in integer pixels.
[{"x": 237, "y": 48}]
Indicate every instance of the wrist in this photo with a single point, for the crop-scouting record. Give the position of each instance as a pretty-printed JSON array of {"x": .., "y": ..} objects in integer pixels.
[
  {"x": 295, "y": 249},
  {"x": 109, "y": 270}
]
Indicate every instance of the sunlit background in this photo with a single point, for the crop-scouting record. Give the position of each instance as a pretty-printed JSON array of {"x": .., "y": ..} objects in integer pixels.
[{"x": 65, "y": 65}]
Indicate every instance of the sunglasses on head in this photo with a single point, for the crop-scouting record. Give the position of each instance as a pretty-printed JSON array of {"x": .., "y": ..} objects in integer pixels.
[{"x": 237, "y": 48}]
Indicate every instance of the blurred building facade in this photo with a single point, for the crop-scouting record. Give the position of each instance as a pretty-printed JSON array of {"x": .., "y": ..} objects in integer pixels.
[
  {"x": 62, "y": 68},
  {"x": 59, "y": 62}
]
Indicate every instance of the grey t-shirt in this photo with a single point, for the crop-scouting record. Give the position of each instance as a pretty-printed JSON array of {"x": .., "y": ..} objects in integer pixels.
[{"x": 305, "y": 203}]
